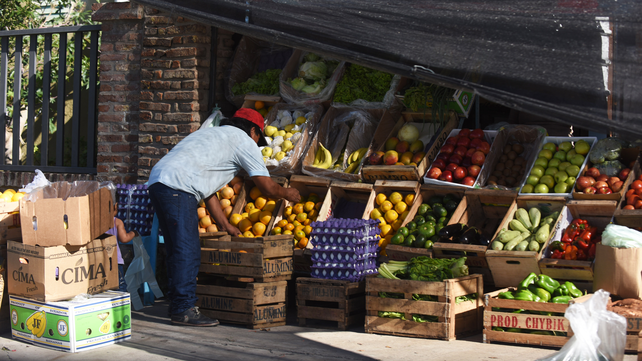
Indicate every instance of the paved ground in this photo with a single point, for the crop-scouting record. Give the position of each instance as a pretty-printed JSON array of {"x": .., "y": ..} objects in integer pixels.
[{"x": 154, "y": 338}]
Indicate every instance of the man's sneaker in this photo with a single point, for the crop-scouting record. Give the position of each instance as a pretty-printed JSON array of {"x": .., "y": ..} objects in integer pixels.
[{"x": 193, "y": 317}]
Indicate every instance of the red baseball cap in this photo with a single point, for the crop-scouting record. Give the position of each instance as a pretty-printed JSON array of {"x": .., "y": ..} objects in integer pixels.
[{"x": 254, "y": 117}]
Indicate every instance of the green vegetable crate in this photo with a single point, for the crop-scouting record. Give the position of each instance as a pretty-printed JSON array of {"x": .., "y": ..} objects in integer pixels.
[
  {"x": 386, "y": 129},
  {"x": 509, "y": 266},
  {"x": 598, "y": 214},
  {"x": 452, "y": 317},
  {"x": 334, "y": 303},
  {"x": 526, "y": 322},
  {"x": 627, "y": 156},
  {"x": 424, "y": 196},
  {"x": 484, "y": 209}
]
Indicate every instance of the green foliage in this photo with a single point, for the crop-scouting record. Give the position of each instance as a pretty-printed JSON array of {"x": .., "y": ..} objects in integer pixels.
[
  {"x": 359, "y": 82},
  {"x": 265, "y": 83}
]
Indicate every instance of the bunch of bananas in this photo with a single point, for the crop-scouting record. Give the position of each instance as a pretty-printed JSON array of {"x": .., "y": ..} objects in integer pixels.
[
  {"x": 355, "y": 159},
  {"x": 323, "y": 158}
]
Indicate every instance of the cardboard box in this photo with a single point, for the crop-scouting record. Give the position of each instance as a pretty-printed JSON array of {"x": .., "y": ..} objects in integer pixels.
[
  {"x": 74, "y": 221},
  {"x": 617, "y": 271},
  {"x": 62, "y": 272},
  {"x": 72, "y": 326}
]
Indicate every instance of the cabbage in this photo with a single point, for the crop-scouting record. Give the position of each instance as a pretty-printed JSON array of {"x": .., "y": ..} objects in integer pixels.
[
  {"x": 298, "y": 83},
  {"x": 312, "y": 89},
  {"x": 408, "y": 133},
  {"x": 313, "y": 70}
]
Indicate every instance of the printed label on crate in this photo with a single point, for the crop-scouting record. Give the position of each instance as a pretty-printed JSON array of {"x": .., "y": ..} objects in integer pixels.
[
  {"x": 321, "y": 292},
  {"x": 633, "y": 324},
  {"x": 270, "y": 291},
  {"x": 546, "y": 323},
  {"x": 224, "y": 257},
  {"x": 216, "y": 303},
  {"x": 269, "y": 313}
]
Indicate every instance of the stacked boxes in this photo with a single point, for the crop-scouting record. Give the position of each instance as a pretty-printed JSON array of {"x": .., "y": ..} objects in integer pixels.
[
  {"x": 345, "y": 249},
  {"x": 135, "y": 208}
]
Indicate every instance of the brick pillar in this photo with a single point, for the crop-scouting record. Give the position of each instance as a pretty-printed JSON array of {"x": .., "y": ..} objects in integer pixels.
[
  {"x": 175, "y": 70},
  {"x": 119, "y": 96}
]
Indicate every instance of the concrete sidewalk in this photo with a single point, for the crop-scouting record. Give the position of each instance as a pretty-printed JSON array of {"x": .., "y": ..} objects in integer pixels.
[{"x": 154, "y": 338}]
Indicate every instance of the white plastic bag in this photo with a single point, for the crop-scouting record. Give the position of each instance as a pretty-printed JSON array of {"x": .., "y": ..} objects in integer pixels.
[
  {"x": 38, "y": 181},
  {"x": 214, "y": 119},
  {"x": 599, "y": 335},
  {"x": 621, "y": 237},
  {"x": 139, "y": 272}
]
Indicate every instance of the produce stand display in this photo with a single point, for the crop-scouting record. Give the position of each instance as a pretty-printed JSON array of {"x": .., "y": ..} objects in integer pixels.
[
  {"x": 454, "y": 319},
  {"x": 628, "y": 156},
  {"x": 347, "y": 200},
  {"x": 337, "y": 302}
]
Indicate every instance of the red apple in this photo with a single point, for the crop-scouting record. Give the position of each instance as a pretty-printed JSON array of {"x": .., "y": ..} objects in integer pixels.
[
  {"x": 468, "y": 181},
  {"x": 477, "y": 133},
  {"x": 617, "y": 186},
  {"x": 604, "y": 190},
  {"x": 446, "y": 176},
  {"x": 463, "y": 141},
  {"x": 475, "y": 142},
  {"x": 466, "y": 162},
  {"x": 460, "y": 151},
  {"x": 443, "y": 156},
  {"x": 602, "y": 178},
  {"x": 593, "y": 172},
  {"x": 640, "y": 177},
  {"x": 402, "y": 147},
  {"x": 376, "y": 158},
  {"x": 601, "y": 184},
  {"x": 464, "y": 132},
  {"x": 470, "y": 152},
  {"x": 484, "y": 147},
  {"x": 447, "y": 148},
  {"x": 452, "y": 140},
  {"x": 590, "y": 190},
  {"x": 434, "y": 173},
  {"x": 624, "y": 173},
  {"x": 452, "y": 167},
  {"x": 612, "y": 180},
  {"x": 439, "y": 163},
  {"x": 455, "y": 159},
  {"x": 478, "y": 158},
  {"x": 460, "y": 173},
  {"x": 473, "y": 170},
  {"x": 391, "y": 157},
  {"x": 584, "y": 182}
]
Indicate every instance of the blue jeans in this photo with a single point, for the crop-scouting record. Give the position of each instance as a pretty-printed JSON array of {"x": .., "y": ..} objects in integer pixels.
[
  {"x": 122, "y": 285},
  {"x": 176, "y": 211}
]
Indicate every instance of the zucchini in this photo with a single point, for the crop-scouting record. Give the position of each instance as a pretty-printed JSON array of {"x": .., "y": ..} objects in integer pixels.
[
  {"x": 522, "y": 215},
  {"x": 513, "y": 243},
  {"x": 508, "y": 236},
  {"x": 522, "y": 246},
  {"x": 533, "y": 246},
  {"x": 497, "y": 245}
]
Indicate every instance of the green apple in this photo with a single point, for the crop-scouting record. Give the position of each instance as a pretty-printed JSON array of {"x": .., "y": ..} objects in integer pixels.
[
  {"x": 561, "y": 177},
  {"x": 532, "y": 180},
  {"x": 270, "y": 130},
  {"x": 572, "y": 170},
  {"x": 527, "y": 188},
  {"x": 550, "y": 146},
  {"x": 560, "y": 154},
  {"x": 280, "y": 155},
  {"x": 571, "y": 180},
  {"x": 582, "y": 147},
  {"x": 542, "y": 162},
  {"x": 561, "y": 188},
  {"x": 577, "y": 160},
  {"x": 267, "y": 152},
  {"x": 541, "y": 188},
  {"x": 546, "y": 153},
  {"x": 565, "y": 146},
  {"x": 570, "y": 154},
  {"x": 551, "y": 171},
  {"x": 548, "y": 180},
  {"x": 563, "y": 165},
  {"x": 554, "y": 163},
  {"x": 537, "y": 171}
]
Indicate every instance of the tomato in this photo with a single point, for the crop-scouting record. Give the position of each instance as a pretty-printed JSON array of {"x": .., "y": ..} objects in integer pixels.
[
  {"x": 637, "y": 184},
  {"x": 631, "y": 199},
  {"x": 628, "y": 206},
  {"x": 630, "y": 192},
  {"x": 638, "y": 204}
]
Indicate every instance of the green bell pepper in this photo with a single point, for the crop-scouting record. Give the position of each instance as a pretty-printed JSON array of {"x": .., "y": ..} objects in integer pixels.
[
  {"x": 518, "y": 311},
  {"x": 562, "y": 290},
  {"x": 561, "y": 299},
  {"x": 508, "y": 295},
  {"x": 572, "y": 289},
  {"x": 517, "y": 330},
  {"x": 545, "y": 333},
  {"x": 540, "y": 292},
  {"x": 526, "y": 295},
  {"x": 529, "y": 280},
  {"x": 547, "y": 283},
  {"x": 498, "y": 329}
]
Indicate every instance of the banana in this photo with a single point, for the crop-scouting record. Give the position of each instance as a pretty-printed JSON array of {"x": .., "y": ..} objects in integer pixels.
[
  {"x": 318, "y": 158},
  {"x": 352, "y": 167},
  {"x": 325, "y": 160}
]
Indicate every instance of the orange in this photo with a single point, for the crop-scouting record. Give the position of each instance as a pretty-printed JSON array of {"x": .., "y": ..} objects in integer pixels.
[
  {"x": 375, "y": 214},
  {"x": 382, "y": 221},
  {"x": 308, "y": 221},
  {"x": 277, "y": 230},
  {"x": 313, "y": 213},
  {"x": 401, "y": 207},
  {"x": 386, "y": 206},
  {"x": 258, "y": 229},
  {"x": 245, "y": 225},
  {"x": 404, "y": 215},
  {"x": 259, "y": 105},
  {"x": 308, "y": 206},
  {"x": 248, "y": 234},
  {"x": 301, "y": 217},
  {"x": 235, "y": 219},
  {"x": 260, "y": 202},
  {"x": 269, "y": 206},
  {"x": 292, "y": 218},
  {"x": 282, "y": 223},
  {"x": 385, "y": 230},
  {"x": 237, "y": 187},
  {"x": 254, "y": 215},
  {"x": 244, "y": 215},
  {"x": 298, "y": 208},
  {"x": 249, "y": 207},
  {"x": 307, "y": 230},
  {"x": 318, "y": 205},
  {"x": 298, "y": 228},
  {"x": 234, "y": 198},
  {"x": 395, "y": 197},
  {"x": 225, "y": 203},
  {"x": 390, "y": 216},
  {"x": 303, "y": 242},
  {"x": 227, "y": 211},
  {"x": 265, "y": 217},
  {"x": 201, "y": 211},
  {"x": 380, "y": 198},
  {"x": 287, "y": 211},
  {"x": 226, "y": 192},
  {"x": 205, "y": 222},
  {"x": 296, "y": 223},
  {"x": 409, "y": 199},
  {"x": 289, "y": 227},
  {"x": 255, "y": 193},
  {"x": 235, "y": 180},
  {"x": 201, "y": 230},
  {"x": 287, "y": 231},
  {"x": 299, "y": 235},
  {"x": 397, "y": 224},
  {"x": 212, "y": 228}
]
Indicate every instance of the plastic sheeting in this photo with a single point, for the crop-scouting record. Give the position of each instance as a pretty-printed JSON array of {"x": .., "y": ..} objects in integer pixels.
[{"x": 557, "y": 58}]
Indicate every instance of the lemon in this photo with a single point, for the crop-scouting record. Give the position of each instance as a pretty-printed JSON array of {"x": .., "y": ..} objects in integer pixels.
[
  {"x": 267, "y": 152},
  {"x": 288, "y": 128},
  {"x": 300, "y": 120},
  {"x": 395, "y": 197},
  {"x": 391, "y": 216},
  {"x": 380, "y": 198},
  {"x": 375, "y": 214},
  {"x": 288, "y": 135}
]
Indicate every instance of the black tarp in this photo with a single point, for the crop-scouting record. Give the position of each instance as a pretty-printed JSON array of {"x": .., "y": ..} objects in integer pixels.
[{"x": 573, "y": 61}]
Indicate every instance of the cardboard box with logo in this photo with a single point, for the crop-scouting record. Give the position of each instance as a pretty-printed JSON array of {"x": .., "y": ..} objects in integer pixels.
[
  {"x": 62, "y": 272},
  {"x": 67, "y": 213},
  {"x": 76, "y": 325}
]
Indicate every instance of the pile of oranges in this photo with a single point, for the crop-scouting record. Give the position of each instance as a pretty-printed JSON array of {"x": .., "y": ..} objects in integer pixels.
[
  {"x": 227, "y": 197},
  {"x": 297, "y": 218},
  {"x": 258, "y": 214},
  {"x": 9, "y": 195},
  {"x": 391, "y": 212}
]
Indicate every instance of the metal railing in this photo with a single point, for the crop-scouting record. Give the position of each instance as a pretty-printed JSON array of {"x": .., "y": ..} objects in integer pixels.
[{"x": 68, "y": 147}]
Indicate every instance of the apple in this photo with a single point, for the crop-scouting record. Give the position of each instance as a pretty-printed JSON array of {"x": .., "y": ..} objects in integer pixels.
[
  {"x": 532, "y": 180},
  {"x": 617, "y": 186},
  {"x": 570, "y": 154},
  {"x": 577, "y": 160},
  {"x": 434, "y": 173},
  {"x": 592, "y": 172},
  {"x": 628, "y": 206},
  {"x": 560, "y": 177},
  {"x": 590, "y": 190},
  {"x": 447, "y": 149},
  {"x": 452, "y": 140},
  {"x": 446, "y": 176},
  {"x": 455, "y": 159},
  {"x": 391, "y": 143},
  {"x": 538, "y": 171},
  {"x": 465, "y": 132},
  {"x": 582, "y": 147},
  {"x": 585, "y": 182},
  {"x": 560, "y": 154},
  {"x": 468, "y": 181},
  {"x": 541, "y": 188},
  {"x": 572, "y": 170},
  {"x": 391, "y": 157},
  {"x": 475, "y": 142},
  {"x": 602, "y": 178},
  {"x": 612, "y": 180},
  {"x": 460, "y": 173},
  {"x": 460, "y": 151},
  {"x": 443, "y": 156},
  {"x": 473, "y": 170},
  {"x": 542, "y": 162},
  {"x": 638, "y": 204},
  {"x": 470, "y": 152},
  {"x": 600, "y": 184},
  {"x": 376, "y": 158},
  {"x": 463, "y": 141},
  {"x": 624, "y": 173},
  {"x": 439, "y": 163},
  {"x": 452, "y": 166},
  {"x": 561, "y": 188},
  {"x": 555, "y": 163},
  {"x": 402, "y": 147},
  {"x": 527, "y": 188},
  {"x": 570, "y": 181},
  {"x": 484, "y": 147},
  {"x": 546, "y": 153},
  {"x": 551, "y": 171},
  {"x": 548, "y": 180},
  {"x": 417, "y": 146},
  {"x": 406, "y": 158},
  {"x": 550, "y": 146},
  {"x": 477, "y": 133},
  {"x": 565, "y": 146},
  {"x": 466, "y": 162},
  {"x": 604, "y": 190},
  {"x": 563, "y": 165},
  {"x": 478, "y": 158},
  {"x": 417, "y": 157}
]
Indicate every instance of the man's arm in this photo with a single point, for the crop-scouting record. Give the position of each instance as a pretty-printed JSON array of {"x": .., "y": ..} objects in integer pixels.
[
  {"x": 214, "y": 206},
  {"x": 271, "y": 189}
]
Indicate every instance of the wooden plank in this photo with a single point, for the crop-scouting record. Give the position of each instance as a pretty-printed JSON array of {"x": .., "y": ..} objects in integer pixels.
[
  {"x": 259, "y": 315},
  {"x": 401, "y": 253},
  {"x": 321, "y": 313},
  {"x": 523, "y": 338},
  {"x": 567, "y": 269},
  {"x": 398, "y": 327},
  {"x": 224, "y": 304},
  {"x": 225, "y": 291},
  {"x": 321, "y": 293},
  {"x": 409, "y": 307},
  {"x": 526, "y": 321},
  {"x": 270, "y": 268},
  {"x": 475, "y": 254},
  {"x": 375, "y": 285}
]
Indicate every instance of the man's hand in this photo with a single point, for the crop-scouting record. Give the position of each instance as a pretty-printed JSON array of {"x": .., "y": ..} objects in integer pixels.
[
  {"x": 233, "y": 231},
  {"x": 292, "y": 195}
]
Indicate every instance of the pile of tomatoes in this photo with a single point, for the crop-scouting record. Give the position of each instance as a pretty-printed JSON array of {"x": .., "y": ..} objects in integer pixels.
[{"x": 634, "y": 195}]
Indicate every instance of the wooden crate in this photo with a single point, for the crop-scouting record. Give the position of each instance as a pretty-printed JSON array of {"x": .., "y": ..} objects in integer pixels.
[
  {"x": 627, "y": 156},
  {"x": 256, "y": 305},
  {"x": 372, "y": 173},
  {"x": 244, "y": 198},
  {"x": 633, "y": 332},
  {"x": 396, "y": 252},
  {"x": 629, "y": 217},
  {"x": 260, "y": 259},
  {"x": 527, "y": 321},
  {"x": 510, "y": 267},
  {"x": 9, "y": 222},
  {"x": 302, "y": 261},
  {"x": 598, "y": 214},
  {"x": 360, "y": 195},
  {"x": 342, "y": 303},
  {"x": 387, "y": 187},
  {"x": 455, "y": 319}
]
